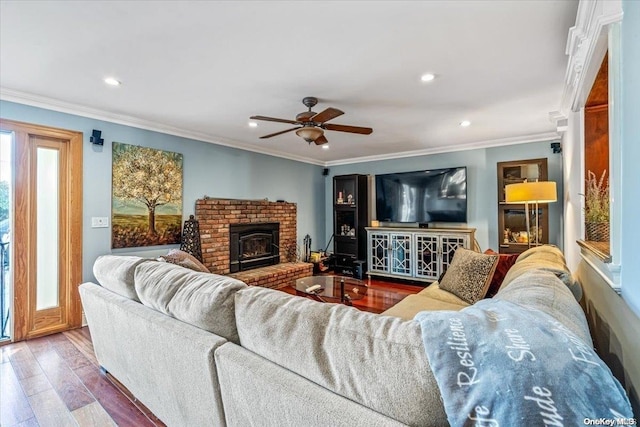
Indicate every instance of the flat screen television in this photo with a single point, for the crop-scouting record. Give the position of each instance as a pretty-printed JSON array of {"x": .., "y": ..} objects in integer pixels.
[{"x": 438, "y": 195}]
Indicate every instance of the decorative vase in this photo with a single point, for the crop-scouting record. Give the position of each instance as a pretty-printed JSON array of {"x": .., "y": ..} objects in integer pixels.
[{"x": 597, "y": 231}]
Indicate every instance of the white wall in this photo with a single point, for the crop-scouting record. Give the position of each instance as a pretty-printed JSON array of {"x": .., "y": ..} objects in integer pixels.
[{"x": 573, "y": 177}]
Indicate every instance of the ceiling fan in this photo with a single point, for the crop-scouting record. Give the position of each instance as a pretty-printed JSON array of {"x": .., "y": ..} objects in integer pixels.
[{"x": 311, "y": 125}]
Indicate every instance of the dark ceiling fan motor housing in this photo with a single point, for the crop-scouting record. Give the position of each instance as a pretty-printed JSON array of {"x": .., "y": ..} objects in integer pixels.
[{"x": 311, "y": 126}]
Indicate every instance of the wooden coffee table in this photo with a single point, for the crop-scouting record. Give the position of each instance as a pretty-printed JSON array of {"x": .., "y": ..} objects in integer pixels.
[
  {"x": 380, "y": 296},
  {"x": 331, "y": 288}
]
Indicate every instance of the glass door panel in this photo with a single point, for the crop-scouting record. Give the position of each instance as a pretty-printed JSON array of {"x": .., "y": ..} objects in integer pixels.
[
  {"x": 427, "y": 256},
  {"x": 449, "y": 245},
  {"x": 47, "y": 235},
  {"x": 401, "y": 254},
  {"x": 379, "y": 260},
  {"x": 48, "y": 288},
  {"x": 6, "y": 209}
]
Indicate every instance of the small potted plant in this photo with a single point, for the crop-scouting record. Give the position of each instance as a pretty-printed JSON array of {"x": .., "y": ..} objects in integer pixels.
[{"x": 596, "y": 207}]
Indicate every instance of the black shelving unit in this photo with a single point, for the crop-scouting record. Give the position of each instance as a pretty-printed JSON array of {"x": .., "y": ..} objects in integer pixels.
[{"x": 350, "y": 217}]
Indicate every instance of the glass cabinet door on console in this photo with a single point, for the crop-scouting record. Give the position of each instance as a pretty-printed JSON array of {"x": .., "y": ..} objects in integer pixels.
[
  {"x": 379, "y": 246},
  {"x": 448, "y": 246},
  {"x": 513, "y": 235},
  {"x": 435, "y": 252},
  {"x": 400, "y": 254},
  {"x": 419, "y": 254},
  {"x": 427, "y": 256}
]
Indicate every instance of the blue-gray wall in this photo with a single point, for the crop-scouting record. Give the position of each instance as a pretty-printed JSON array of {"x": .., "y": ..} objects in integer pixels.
[
  {"x": 219, "y": 171},
  {"x": 209, "y": 169},
  {"x": 482, "y": 185}
]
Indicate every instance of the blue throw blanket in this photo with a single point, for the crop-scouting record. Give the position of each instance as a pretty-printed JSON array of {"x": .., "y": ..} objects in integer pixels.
[{"x": 500, "y": 364}]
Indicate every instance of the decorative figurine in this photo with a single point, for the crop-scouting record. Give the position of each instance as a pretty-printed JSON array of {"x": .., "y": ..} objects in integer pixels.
[
  {"x": 349, "y": 198},
  {"x": 340, "y": 199}
]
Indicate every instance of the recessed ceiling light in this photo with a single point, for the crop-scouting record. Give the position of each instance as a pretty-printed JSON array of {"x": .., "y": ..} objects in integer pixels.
[
  {"x": 428, "y": 77},
  {"x": 325, "y": 147},
  {"x": 253, "y": 125},
  {"x": 465, "y": 123},
  {"x": 112, "y": 82}
]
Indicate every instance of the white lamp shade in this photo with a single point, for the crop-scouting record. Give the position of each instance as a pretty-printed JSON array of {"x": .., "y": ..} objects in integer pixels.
[{"x": 531, "y": 192}]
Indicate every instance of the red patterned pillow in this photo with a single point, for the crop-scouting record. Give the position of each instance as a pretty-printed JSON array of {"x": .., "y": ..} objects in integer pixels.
[{"x": 504, "y": 264}]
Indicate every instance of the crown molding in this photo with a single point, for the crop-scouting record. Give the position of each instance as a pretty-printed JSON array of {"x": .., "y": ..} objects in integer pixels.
[
  {"x": 80, "y": 110},
  {"x": 560, "y": 120},
  {"x": 69, "y": 108},
  {"x": 540, "y": 137},
  {"x": 587, "y": 42}
]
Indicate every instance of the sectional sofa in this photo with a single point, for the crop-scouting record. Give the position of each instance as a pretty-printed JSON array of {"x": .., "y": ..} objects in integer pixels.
[{"x": 201, "y": 349}]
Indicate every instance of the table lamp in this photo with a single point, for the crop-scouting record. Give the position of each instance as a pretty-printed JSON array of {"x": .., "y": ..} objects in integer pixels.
[{"x": 531, "y": 192}]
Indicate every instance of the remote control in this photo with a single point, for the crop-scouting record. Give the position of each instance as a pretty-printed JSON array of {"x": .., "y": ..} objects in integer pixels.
[{"x": 313, "y": 288}]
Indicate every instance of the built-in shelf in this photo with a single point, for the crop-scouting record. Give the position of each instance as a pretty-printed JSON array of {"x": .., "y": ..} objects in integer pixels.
[{"x": 513, "y": 235}]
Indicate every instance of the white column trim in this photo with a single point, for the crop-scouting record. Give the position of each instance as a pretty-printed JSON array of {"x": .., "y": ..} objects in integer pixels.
[{"x": 586, "y": 45}]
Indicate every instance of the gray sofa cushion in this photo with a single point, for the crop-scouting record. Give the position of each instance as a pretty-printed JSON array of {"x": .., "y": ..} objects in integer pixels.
[
  {"x": 543, "y": 290},
  {"x": 258, "y": 392},
  {"x": 116, "y": 274},
  {"x": 548, "y": 258},
  {"x": 377, "y": 361},
  {"x": 204, "y": 300}
]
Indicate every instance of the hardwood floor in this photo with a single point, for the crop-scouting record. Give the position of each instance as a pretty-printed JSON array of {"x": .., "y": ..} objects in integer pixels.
[{"x": 56, "y": 380}]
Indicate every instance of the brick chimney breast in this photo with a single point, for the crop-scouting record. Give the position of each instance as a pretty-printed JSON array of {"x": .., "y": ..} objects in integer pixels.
[{"x": 215, "y": 215}]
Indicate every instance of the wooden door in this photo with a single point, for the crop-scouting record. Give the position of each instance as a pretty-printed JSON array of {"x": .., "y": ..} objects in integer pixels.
[{"x": 47, "y": 255}]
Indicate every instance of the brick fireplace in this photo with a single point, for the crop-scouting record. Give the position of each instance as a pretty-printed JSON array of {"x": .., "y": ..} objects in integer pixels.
[{"x": 216, "y": 215}]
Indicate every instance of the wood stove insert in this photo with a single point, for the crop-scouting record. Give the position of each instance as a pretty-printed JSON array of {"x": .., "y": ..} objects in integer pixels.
[{"x": 253, "y": 245}]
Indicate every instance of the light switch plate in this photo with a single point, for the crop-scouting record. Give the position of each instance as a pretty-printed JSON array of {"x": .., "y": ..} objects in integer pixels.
[{"x": 99, "y": 222}]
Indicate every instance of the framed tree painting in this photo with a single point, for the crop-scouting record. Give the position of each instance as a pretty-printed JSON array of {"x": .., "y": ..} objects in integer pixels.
[{"x": 146, "y": 196}]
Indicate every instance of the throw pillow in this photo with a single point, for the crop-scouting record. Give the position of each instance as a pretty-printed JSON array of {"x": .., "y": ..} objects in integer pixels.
[
  {"x": 183, "y": 259},
  {"x": 469, "y": 275},
  {"x": 505, "y": 262}
]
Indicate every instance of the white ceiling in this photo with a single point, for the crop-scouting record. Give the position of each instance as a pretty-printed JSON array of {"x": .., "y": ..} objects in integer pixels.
[{"x": 200, "y": 69}]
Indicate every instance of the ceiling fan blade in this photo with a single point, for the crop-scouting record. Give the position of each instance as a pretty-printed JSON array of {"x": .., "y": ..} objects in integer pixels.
[
  {"x": 279, "y": 133},
  {"x": 273, "y": 119},
  {"x": 350, "y": 129},
  {"x": 321, "y": 140},
  {"x": 326, "y": 115}
]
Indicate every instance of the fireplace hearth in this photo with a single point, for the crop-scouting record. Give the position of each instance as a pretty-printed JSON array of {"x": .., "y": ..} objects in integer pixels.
[{"x": 253, "y": 245}]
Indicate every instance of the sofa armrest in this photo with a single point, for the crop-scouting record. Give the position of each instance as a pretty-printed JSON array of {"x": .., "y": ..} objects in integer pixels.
[{"x": 166, "y": 363}]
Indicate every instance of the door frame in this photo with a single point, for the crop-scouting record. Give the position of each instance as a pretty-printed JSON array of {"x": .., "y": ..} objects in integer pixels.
[{"x": 23, "y": 253}]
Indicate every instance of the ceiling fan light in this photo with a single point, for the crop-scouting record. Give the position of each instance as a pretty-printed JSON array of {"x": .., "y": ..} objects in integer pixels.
[{"x": 309, "y": 133}]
